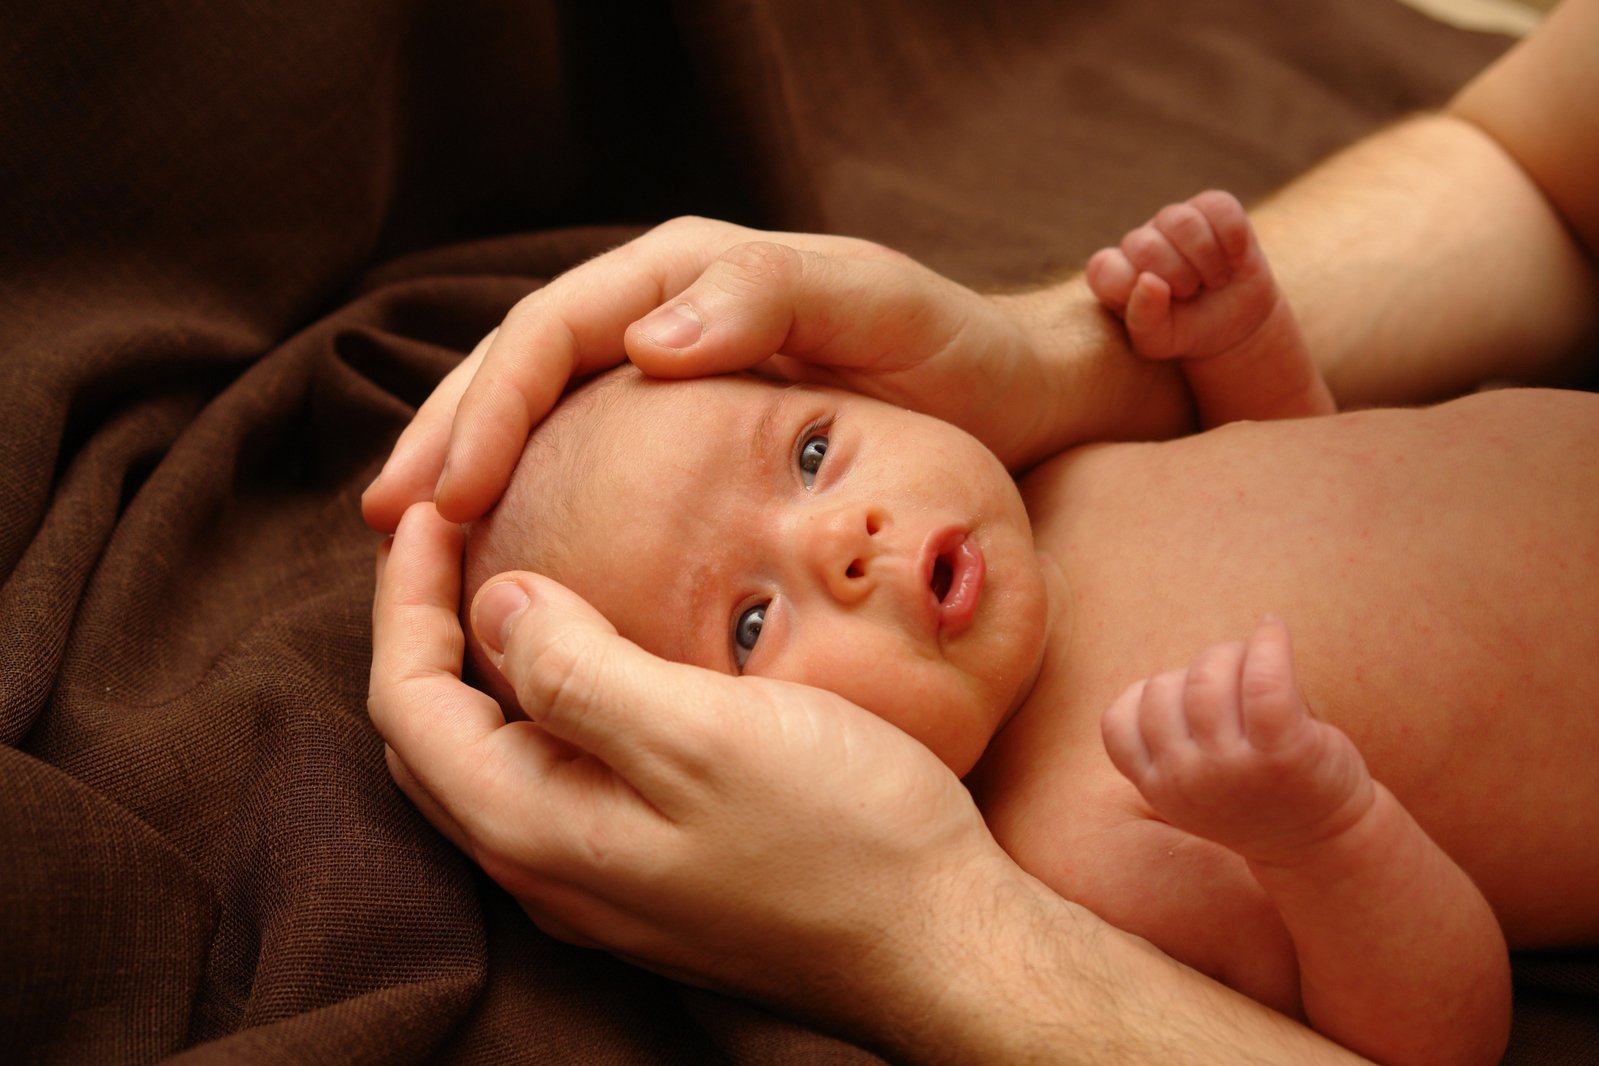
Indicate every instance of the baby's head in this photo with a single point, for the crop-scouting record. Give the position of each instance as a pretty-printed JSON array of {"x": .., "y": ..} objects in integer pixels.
[{"x": 796, "y": 532}]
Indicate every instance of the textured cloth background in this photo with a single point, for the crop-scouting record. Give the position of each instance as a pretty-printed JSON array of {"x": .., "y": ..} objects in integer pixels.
[{"x": 239, "y": 242}]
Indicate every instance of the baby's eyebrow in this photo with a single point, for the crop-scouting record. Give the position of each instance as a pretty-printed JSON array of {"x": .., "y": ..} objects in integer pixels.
[{"x": 763, "y": 437}]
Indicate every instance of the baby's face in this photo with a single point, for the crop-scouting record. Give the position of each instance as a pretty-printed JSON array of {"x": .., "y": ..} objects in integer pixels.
[{"x": 807, "y": 534}]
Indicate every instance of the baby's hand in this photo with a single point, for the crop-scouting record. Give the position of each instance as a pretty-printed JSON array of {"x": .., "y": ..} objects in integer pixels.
[
  {"x": 1227, "y": 750},
  {"x": 1192, "y": 282}
]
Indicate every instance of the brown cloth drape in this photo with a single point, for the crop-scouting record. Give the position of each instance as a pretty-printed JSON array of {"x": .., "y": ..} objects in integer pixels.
[{"x": 240, "y": 241}]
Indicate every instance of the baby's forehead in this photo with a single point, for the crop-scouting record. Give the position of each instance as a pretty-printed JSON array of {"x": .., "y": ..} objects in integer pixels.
[
  {"x": 605, "y": 420},
  {"x": 620, "y": 403},
  {"x": 627, "y": 389}
]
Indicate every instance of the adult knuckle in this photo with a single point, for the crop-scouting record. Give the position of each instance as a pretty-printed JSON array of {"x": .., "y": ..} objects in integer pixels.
[
  {"x": 869, "y": 249},
  {"x": 694, "y": 231},
  {"x": 684, "y": 224},
  {"x": 762, "y": 263},
  {"x": 560, "y": 673}
]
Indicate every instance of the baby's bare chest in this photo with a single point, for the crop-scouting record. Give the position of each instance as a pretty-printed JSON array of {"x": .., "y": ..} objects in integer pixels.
[{"x": 1440, "y": 577}]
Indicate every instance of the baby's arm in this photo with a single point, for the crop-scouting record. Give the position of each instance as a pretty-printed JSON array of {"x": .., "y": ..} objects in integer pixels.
[
  {"x": 1400, "y": 957},
  {"x": 1194, "y": 284}
]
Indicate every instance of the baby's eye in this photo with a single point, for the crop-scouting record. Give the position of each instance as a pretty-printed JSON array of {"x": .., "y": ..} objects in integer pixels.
[
  {"x": 811, "y": 454},
  {"x": 746, "y": 631}
]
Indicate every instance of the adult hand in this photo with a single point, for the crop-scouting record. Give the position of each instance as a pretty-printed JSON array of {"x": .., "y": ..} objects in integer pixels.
[
  {"x": 695, "y": 297},
  {"x": 739, "y": 833}
]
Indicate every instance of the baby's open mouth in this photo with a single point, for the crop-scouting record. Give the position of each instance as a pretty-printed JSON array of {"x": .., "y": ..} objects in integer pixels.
[
  {"x": 943, "y": 575},
  {"x": 955, "y": 570}
]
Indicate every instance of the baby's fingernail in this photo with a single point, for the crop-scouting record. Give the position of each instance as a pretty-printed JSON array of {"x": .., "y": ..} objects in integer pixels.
[
  {"x": 438, "y": 486},
  {"x": 676, "y": 326},
  {"x": 496, "y": 609}
]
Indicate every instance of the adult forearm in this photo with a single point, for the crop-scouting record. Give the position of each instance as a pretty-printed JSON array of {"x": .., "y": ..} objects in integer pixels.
[
  {"x": 1423, "y": 261},
  {"x": 1026, "y": 976},
  {"x": 1420, "y": 262}
]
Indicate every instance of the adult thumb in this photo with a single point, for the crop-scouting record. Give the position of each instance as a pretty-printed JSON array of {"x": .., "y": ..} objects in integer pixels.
[
  {"x": 576, "y": 678},
  {"x": 736, "y": 314}
]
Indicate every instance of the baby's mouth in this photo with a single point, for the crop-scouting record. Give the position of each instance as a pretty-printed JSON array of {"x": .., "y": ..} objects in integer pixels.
[{"x": 955, "y": 569}]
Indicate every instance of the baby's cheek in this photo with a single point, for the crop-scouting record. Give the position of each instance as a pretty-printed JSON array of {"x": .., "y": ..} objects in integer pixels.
[
  {"x": 932, "y": 706},
  {"x": 890, "y": 676}
]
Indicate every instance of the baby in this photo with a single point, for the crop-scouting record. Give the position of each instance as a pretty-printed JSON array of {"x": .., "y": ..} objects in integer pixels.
[{"x": 1349, "y": 833}]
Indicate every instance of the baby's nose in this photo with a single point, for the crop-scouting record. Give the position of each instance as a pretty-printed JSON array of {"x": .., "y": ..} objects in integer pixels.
[{"x": 843, "y": 544}]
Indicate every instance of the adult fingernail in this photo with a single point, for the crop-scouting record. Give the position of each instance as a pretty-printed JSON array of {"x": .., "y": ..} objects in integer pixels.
[
  {"x": 676, "y": 326},
  {"x": 438, "y": 486},
  {"x": 497, "y": 608}
]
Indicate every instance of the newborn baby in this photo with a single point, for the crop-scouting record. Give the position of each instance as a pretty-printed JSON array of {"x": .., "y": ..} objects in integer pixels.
[{"x": 1349, "y": 832}]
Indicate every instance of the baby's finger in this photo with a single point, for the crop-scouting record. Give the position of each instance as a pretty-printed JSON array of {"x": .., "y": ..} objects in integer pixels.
[
  {"x": 1271, "y": 703},
  {"x": 1118, "y": 728},
  {"x": 1228, "y": 221},
  {"x": 1190, "y": 233},
  {"x": 1161, "y": 723},
  {"x": 1149, "y": 251},
  {"x": 1149, "y": 319},
  {"x": 1210, "y": 697},
  {"x": 1110, "y": 277}
]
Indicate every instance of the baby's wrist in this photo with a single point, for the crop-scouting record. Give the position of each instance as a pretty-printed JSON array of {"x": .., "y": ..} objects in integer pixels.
[{"x": 1368, "y": 824}]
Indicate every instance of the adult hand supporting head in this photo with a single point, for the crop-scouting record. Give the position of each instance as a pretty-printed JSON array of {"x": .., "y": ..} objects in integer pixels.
[
  {"x": 1027, "y": 374},
  {"x": 733, "y": 832}
]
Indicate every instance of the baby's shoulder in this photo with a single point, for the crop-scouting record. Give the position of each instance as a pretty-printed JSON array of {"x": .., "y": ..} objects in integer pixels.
[{"x": 1061, "y": 810}]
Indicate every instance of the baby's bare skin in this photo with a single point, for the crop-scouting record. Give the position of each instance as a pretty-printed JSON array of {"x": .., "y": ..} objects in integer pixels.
[{"x": 1441, "y": 573}]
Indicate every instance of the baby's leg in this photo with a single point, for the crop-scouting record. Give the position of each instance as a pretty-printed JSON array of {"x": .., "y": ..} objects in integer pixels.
[
  {"x": 1194, "y": 284},
  {"x": 1399, "y": 955}
]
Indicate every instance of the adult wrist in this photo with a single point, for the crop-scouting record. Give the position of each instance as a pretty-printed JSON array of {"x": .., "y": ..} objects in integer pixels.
[
  {"x": 1091, "y": 386},
  {"x": 1005, "y": 970}
]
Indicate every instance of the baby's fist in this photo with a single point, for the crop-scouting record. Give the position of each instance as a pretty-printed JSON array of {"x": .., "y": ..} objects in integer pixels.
[{"x": 1227, "y": 750}]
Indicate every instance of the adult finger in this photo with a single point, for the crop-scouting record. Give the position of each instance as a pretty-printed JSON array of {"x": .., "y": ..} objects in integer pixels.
[
  {"x": 420, "y": 798},
  {"x": 696, "y": 297},
  {"x": 411, "y": 472},
  {"x": 849, "y": 303},
  {"x": 435, "y": 723},
  {"x": 570, "y": 327}
]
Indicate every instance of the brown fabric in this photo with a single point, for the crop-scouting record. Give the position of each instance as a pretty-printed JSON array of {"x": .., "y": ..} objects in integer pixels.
[{"x": 238, "y": 244}]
